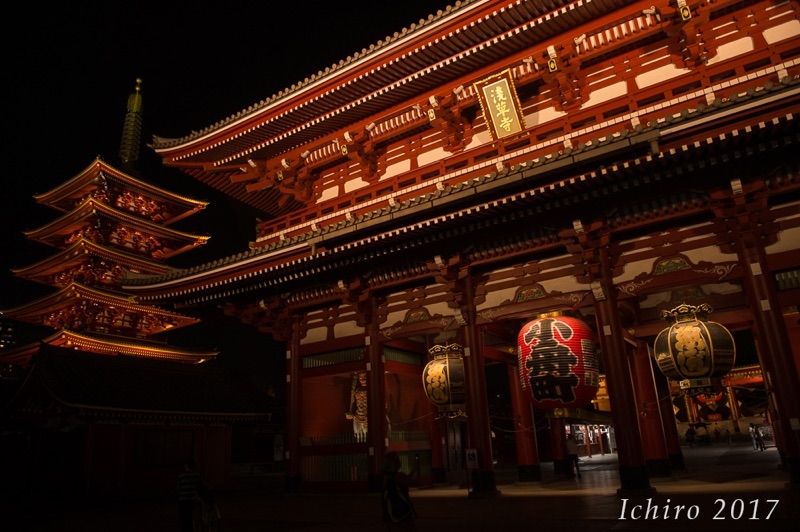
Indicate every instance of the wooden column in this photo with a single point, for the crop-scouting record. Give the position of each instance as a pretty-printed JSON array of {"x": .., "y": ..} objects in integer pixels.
[
  {"x": 632, "y": 468},
  {"x": 650, "y": 423},
  {"x": 671, "y": 436},
  {"x": 691, "y": 409},
  {"x": 483, "y": 479},
  {"x": 377, "y": 437},
  {"x": 745, "y": 215},
  {"x": 733, "y": 406},
  {"x": 776, "y": 357},
  {"x": 528, "y": 467},
  {"x": 293, "y": 406}
]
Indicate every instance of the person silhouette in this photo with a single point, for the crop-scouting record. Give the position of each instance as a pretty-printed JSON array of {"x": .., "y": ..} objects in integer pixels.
[{"x": 398, "y": 510}]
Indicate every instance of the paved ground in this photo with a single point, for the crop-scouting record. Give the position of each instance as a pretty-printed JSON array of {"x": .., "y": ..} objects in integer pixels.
[{"x": 729, "y": 487}]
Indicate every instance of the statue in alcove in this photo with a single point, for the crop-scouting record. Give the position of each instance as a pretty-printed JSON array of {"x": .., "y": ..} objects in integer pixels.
[{"x": 358, "y": 406}]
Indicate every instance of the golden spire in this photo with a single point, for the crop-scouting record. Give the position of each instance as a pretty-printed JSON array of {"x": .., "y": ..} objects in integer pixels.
[{"x": 132, "y": 128}]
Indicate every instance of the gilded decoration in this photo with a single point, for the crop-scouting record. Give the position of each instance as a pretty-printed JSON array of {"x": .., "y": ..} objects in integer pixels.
[
  {"x": 529, "y": 293},
  {"x": 672, "y": 264},
  {"x": 500, "y": 105},
  {"x": 417, "y": 315}
]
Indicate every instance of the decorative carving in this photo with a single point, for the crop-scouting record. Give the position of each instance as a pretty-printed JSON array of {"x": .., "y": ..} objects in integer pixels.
[
  {"x": 721, "y": 271},
  {"x": 529, "y": 293},
  {"x": 141, "y": 205},
  {"x": 417, "y": 315},
  {"x": 671, "y": 264},
  {"x": 632, "y": 287},
  {"x": 359, "y": 147},
  {"x": 445, "y": 115},
  {"x": 561, "y": 74},
  {"x": 685, "y": 33}
]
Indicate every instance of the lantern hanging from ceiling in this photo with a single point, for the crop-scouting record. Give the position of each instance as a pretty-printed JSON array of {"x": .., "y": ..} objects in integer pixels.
[
  {"x": 557, "y": 361},
  {"x": 443, "y": 379},
  {"x": 693, "y": 350}
]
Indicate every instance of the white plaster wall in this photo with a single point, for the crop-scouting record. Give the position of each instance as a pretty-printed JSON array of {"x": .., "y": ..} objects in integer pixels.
[
  {"x": 354, "y": 184},
  {"x": 483, "y": 137},
  {"x": 397, "y": 168},
  {"x": 542, "y": 116},
  {"x": 431, "y": 156},
  {"x": 318, "y": 334},
  {"x": 732, "y": 49},
  {"x": 788, "y": 240},
  {"x": 329, "y": 193},
  {"x": 781, "y": 32},
  {"x": 349, "y": 328},
  {"x": 606, "y": 93},
  {"x": 659, "y": 75},
  {"x": 496, "y": 297}
]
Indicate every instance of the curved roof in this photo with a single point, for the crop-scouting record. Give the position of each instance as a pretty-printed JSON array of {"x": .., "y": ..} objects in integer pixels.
[{"x": 422, "y": 58}]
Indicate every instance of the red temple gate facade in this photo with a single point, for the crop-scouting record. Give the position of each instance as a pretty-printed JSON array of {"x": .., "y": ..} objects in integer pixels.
[{"x": 498, "y": 161}]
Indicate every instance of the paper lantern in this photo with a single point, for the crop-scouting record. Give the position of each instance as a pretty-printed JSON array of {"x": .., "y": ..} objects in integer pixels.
[
  {"x": 693, "y": 350},
  {"x": 443, "y": 379},
  {"x": 557, "y": 361}
]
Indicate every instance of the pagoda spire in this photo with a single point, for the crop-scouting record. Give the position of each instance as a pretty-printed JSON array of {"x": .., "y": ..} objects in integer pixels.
[{"x": 132, "y": 127}]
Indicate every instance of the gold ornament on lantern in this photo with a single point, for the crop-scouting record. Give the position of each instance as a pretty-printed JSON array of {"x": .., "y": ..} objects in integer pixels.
[
  {"x": 443, "y": 379},
  {"x": 693, "y": 350}
]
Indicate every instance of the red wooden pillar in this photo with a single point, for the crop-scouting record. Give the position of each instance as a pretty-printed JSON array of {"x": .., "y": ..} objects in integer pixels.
[
  {"x": 632, "y": 468},
  {"x": 775, "y": 354},
  {"x": 377, "y": 436},
  {"x": 671, "y": 435},
  {"x": 524, "y": 430},
  {"x": 691, "y": 409},
  {"x": 293, "y": 406},
  {"x": 650, "y": 423},
  {"x": 793, "y": 330},
  {"x": 483, "y": 479}
]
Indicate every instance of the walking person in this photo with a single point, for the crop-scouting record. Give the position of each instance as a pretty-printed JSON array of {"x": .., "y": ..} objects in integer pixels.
[
  {"x": 753, "y": 437},
  {"x": 398, "y": 511},
  {"x": 572, "y": 455},
  {"x": 690, "y": 436},
  {"x": 759, "y": 439}
]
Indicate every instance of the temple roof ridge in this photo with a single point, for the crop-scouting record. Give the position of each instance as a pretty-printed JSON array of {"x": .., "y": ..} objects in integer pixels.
[
  {"x": 86, "y": 246},
  {"x": 91, "y": 205},
  {"x": 654, "y": 126},
  {"x": 101, "y": 165},
  {"x": 105, "y": 297},
  {"x": 336, "y": 68},
  {"x": 122, "y": 345}
]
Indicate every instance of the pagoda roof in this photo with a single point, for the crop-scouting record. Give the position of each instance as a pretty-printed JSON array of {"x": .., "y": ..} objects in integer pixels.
[
  {"x": 115, "y": 345},
  {"x": 123, "y": 386},
  {"x": 461, "y": 40},
  {"x": 79, "y": 252},
  {"x": 81, "y": 184},
  {"x": 32, "y": 311},
  {"x": 77, "y": 218}
]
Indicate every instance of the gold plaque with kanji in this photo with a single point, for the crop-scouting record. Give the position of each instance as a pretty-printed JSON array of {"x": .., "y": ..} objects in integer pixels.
[{"x": 500, "y": 105}]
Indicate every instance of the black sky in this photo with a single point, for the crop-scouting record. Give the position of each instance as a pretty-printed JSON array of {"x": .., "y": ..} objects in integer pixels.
[{"x": 69, "y": 68}]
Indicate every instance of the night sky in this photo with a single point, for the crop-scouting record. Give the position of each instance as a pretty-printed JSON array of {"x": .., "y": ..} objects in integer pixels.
[{"x": 69, "y": 68}]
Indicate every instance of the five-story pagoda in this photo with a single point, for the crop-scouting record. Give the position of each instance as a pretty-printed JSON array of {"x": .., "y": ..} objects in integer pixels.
[{"x": 114, "y": 227}]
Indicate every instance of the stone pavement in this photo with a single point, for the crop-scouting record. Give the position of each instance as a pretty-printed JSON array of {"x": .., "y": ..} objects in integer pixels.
[{"x": 725, "y": 487}]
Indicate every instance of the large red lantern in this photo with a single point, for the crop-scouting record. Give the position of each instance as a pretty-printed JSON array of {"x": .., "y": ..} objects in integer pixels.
[{"x": 557, "y": 361}]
